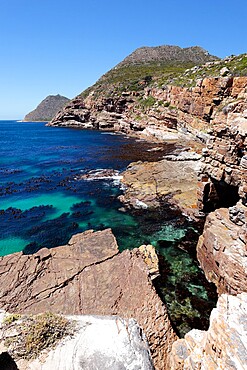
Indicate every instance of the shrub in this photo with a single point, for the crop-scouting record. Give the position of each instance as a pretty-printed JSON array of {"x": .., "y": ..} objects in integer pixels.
[{"x": 35, "y": 333}]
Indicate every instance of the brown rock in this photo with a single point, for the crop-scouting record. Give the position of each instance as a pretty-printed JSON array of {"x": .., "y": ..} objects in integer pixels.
[
  {"x": 151, "y": 259},
  {"x": 88, "y": 276},
  {"x": 147, "y": 183}
]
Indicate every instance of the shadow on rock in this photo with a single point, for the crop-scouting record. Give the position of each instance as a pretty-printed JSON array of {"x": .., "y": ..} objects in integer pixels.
[{"x": 7, "y": 362}]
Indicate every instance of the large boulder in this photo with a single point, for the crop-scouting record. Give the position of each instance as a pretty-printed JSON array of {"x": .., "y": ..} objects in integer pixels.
[
  {"x": 148, "y": 184},
  {"x": 88, "y": 276}
]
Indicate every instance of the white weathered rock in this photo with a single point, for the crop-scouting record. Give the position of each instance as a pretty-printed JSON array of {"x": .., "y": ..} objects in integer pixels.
[{"x": 101, "y": 342}]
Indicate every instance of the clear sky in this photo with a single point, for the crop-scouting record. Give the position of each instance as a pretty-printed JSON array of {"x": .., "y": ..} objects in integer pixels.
[{"x": 57, "y": 46}]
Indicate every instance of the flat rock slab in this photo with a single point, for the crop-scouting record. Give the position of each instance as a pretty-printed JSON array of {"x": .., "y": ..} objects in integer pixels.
[
  {"x": 148, "y": 182},
  {"x": 88, "y": 276}
]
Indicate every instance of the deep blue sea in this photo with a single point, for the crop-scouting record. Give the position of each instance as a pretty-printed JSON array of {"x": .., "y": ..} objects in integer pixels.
[{"x": 46, "y": 196}]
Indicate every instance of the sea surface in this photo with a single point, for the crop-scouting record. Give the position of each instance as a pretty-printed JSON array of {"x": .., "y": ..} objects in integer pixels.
[{"x": 54, "y": 183}]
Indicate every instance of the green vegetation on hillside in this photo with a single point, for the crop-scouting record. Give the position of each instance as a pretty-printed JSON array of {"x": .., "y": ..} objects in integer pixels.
[
  {"x": 135, "y": 77},
  {"x": 237, "y": 66}
]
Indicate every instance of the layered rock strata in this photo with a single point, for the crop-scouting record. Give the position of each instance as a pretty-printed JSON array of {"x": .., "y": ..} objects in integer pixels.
[
  {"x": 98, "y": 343},
  {"x": 173, "y": 107},
  {"x": 88, "y": 276},
  {"x": 224, "y": 171},
  {"x": 223, "y": 346},
  {"x": 223, "y": 183},
  {"x": 221, "y": 249}
]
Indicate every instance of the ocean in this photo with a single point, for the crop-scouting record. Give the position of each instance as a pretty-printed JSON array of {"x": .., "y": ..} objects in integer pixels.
[{"x": 56, "y": 182}]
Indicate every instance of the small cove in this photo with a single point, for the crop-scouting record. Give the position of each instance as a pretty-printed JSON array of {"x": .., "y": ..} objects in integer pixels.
[{"x": 44, "y": 200}]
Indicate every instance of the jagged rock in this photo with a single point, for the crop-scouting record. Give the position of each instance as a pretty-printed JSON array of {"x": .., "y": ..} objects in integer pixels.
[
  {"x": 88, "y": 276},
  {"x": 98, "y": 343},
  {"x": 223, "y": 346},
  {"x": 151, "y": 259},
  {"x": 224, "y": 71},
  {"x": 47, "y": 109},
  {"x": 224, "y": 163},
  {"x": 221, "y": 249}
]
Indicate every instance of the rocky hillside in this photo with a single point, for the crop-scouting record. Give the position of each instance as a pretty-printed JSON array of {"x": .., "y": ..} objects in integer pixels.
[
  {"x": 47, "y": 109},
  {"x": 150, "y": 98}
]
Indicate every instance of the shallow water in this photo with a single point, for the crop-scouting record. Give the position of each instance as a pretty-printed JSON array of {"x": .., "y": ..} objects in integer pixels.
[{"x": 45, "y": 198}]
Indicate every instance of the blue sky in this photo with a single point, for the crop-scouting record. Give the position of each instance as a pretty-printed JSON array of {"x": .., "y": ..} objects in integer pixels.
[{"x": 50, "y": 46}]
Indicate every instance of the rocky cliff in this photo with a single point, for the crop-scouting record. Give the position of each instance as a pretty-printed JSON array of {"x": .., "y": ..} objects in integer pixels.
[
  {"x": 47, "y": 109},
  {"x": 118, "y": 100},
  {"x": 208, "y": 102},
  {"x": 88, "y": 276},
  {"x": 223, "y": 346},
  {"x": 156, "y": 96}
]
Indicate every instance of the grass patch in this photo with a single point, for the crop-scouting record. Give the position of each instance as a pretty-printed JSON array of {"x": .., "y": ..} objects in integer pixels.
[{"x": 33, "y": 334}]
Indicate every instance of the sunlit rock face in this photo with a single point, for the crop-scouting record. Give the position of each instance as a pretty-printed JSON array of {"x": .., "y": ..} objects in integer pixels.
[
  {"x": 221, "y": 249},
  {"x": 223, "y": 346},
  {"x": 88, "y": 276},
  {"x": 222, "y": 191}
]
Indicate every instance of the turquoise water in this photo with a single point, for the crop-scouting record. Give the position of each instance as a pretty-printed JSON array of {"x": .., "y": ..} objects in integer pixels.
[
  {"x": 45, "y": 199},
  {"x": 42, "y": 188}
]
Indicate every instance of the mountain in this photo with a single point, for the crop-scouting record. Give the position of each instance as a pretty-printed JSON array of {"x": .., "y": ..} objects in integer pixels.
[
  {"x": 47, "y": 109},
  {"x": 120, "y": 94},
  {"x": 148, "y": 64}
]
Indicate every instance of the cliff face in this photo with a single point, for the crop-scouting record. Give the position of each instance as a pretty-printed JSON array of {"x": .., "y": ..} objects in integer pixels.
[
  {"x": 47, "y": 109},
  {"x": 223, "y": 346},
  {"x": 223, "y": 183},
  {"x": 221, "y": 250}
]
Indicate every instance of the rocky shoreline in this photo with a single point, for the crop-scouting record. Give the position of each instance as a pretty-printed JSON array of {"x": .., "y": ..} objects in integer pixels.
[
  {"x": 215, "y": 112},
  {"x": 103, "y": 281}
]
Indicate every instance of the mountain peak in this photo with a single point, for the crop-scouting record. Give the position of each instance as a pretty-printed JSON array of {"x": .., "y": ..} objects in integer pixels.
[
  {"x": 167, "y": 54},
  {"x": 47, "y": 109}
]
